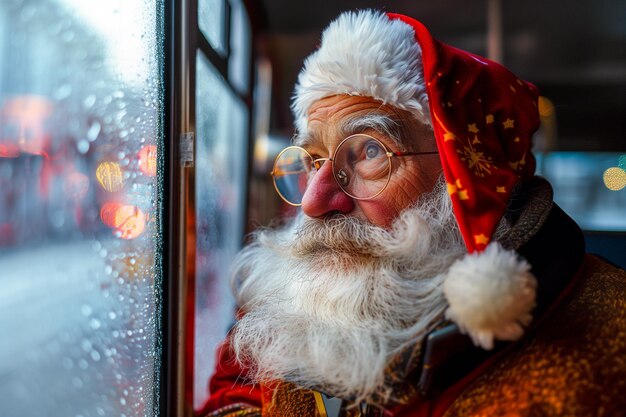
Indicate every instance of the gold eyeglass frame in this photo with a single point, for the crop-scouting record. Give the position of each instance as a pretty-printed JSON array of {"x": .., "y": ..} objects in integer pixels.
[{"x": 317, "y": 163}]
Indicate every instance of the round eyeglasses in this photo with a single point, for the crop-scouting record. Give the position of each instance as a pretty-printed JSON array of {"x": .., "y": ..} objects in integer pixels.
[{"x": 361, "y": 167}]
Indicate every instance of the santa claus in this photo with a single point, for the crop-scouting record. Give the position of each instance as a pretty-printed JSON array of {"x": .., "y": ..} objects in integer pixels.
[{"x": 428, "y": 271}]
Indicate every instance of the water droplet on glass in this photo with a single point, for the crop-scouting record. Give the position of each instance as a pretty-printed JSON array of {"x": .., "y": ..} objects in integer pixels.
[
  {"x": 67, "y": 363},
  {"x": 86, "y": 345},
  {"x": 108, "y": 269},
  {"x": 63, "y": 92},
  {"x": 82, "y": 364},
  {"x": 94, "y": 131},
  {"x": 95, "y": 355},
  {"x": 77, "y": 382},
  {"x": 95, "y": 324},
  {"x": 112, "y": 315},
  {"x": 123, "y": 401},
  {"x": 89, "y": 101},
  {"x": 82, "y": 146}
]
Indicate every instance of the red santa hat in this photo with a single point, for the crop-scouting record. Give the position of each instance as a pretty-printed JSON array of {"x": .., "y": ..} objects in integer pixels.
[{"x": 483, "y": 118}]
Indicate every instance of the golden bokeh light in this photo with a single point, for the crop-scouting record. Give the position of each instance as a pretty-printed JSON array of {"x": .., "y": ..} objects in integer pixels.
[
  {"x": 148, "y": 160},
  {"x": 546, "y": 108},
  {"x": 614, "y": 178},
  {"x": 110, "y": 176}
]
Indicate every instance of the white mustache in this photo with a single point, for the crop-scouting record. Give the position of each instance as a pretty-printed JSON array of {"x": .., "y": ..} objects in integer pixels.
[{"x": 329, "y": 302}]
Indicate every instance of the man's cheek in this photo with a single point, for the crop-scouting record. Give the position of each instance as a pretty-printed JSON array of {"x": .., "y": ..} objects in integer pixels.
[{"x": 380, "y": 212}]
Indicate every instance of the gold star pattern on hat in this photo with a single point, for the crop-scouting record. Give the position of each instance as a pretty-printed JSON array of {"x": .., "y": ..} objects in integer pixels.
[
  {"x": 481, "y": 239},
  {"x": 475, "y": 160},
  {"x": 458, "y": 190},
  {"x": 508, "y": 123}
]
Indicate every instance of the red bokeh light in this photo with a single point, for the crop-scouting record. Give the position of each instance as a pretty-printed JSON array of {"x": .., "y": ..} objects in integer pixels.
[{"x": 128, "y": 221}]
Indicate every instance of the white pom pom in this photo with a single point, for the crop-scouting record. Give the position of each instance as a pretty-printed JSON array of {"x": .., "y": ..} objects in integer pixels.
[{"x": 490, "y": 295}]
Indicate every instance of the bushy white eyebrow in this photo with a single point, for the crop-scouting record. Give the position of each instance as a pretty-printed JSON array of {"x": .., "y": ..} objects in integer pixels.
[{"x": 380, "y": 123}]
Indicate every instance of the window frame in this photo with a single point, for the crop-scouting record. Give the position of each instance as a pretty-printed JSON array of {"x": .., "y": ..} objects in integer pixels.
[{"x": 183, "y": 39}]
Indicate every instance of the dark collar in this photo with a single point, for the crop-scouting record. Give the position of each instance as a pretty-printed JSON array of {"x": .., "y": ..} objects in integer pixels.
[{"x": 554, "y": 246}]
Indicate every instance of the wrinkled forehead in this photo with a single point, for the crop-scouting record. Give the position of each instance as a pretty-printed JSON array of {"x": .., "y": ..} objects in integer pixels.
[{"x": 342, "y": 116}]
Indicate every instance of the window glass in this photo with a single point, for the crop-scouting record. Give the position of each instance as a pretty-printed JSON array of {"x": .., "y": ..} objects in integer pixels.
[
  {"x": 80, "y": 116},
  {"x": 239, "y": 67},
  {"x": 211, "y": 21},
  {"x": 590, "y": 187},
  {"x": 221, "y": 164}
]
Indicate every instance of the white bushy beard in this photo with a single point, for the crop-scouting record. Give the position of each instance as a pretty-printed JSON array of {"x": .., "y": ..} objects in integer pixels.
[{"x": 328, "y": 303}]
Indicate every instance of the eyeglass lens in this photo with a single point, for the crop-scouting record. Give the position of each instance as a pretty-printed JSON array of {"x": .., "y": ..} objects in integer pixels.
[{"x": 361, "y": 167}]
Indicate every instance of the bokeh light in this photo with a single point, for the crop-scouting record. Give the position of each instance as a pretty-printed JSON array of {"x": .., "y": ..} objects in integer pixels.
[
  {"x": 614, "y": 178},
  {"x": 107, "y": 213},
  {"x": 128, "y": 221},
  {"x": 28, "y": 114},
  {"x": 546, "y": 108},
  {"x": 110, "y": 176},
  {"x": 148, "y": 160}
]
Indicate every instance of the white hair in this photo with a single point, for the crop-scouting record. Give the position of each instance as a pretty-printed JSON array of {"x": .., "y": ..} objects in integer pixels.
[
  {"x": 364, "y": 53},
  {"x": 328, "y": 303}
]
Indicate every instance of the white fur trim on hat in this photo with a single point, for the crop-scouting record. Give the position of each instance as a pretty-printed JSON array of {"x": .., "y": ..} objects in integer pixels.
[
  {"x": 490, "y": 295},
  {"x": 365, "y": 54}
]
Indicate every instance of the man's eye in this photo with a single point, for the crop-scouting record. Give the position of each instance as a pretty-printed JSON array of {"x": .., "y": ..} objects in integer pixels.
[{"x": 372, "y": 150}]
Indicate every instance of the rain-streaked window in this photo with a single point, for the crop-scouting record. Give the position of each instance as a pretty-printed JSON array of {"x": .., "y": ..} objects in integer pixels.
[{"x": 80, "y": 138}]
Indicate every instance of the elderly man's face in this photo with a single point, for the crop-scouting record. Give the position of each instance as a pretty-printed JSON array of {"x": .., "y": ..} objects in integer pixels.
[{"x": 332, "y": 119}]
